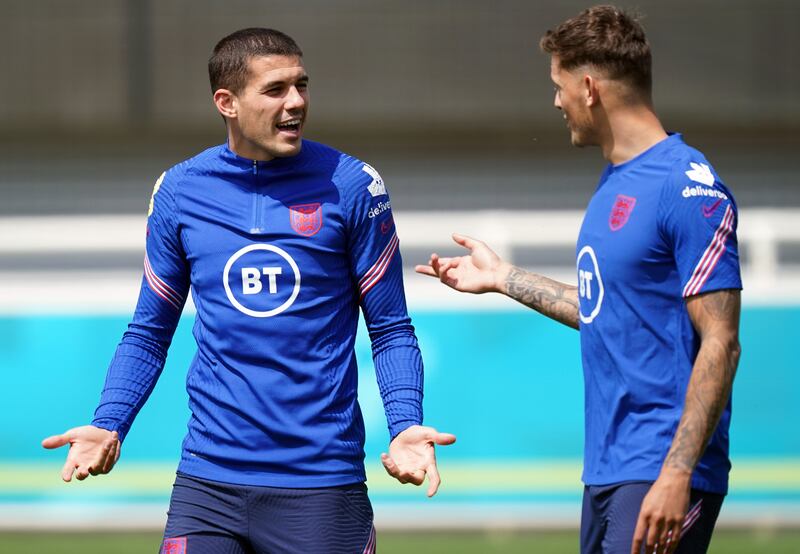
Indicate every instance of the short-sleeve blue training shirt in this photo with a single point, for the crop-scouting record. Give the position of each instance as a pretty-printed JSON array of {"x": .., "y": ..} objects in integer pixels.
[{"x": 659, "y": 229}]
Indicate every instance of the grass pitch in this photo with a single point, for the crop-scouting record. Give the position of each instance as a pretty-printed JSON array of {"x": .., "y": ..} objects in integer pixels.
[{"x": 507, "y": 542}]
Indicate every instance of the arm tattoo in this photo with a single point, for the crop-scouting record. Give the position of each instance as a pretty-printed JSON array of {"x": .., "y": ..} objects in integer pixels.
[
  {"x": 551, "y": 298},
  {"x": 716, "y": 318}
]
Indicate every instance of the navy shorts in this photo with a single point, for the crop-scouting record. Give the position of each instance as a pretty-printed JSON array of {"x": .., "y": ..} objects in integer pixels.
[
  {"x": 610, "y": 514},
  {"x": 208, "y": 517}
]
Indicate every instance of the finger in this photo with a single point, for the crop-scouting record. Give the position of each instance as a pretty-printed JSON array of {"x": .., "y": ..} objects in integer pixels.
[
  {"x": 465, "y": 241},
  {"x": 434, "y": 480},
  {"x": 673, "y": 537},
  {"x": 638, "y": 535},
  {"x": 68, "y": 470},
  {"x": 416, "y": 477},
  {"x": 113, "y": 456},
  {"x": 444, "y": 438},
  {"x": 96, "y": 467},
  {"x": 81, "y": 473},
  {"x": 425, "y": 270},
  {"x": 391, "y": 467},
  {"x": 436, "y": 263},
  {"x": 56, "y": 441},
  {"x": 653, "y": 534}
]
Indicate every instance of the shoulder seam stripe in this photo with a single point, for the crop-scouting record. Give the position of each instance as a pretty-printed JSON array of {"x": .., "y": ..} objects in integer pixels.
[
  {"x": 374, "y": 274},
  {"x": 711, "y": 255},
  {"x": 161, "y": 288}
]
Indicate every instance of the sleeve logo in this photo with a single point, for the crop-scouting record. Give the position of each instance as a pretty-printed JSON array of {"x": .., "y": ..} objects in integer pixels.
[
  {"x": 376, "y": 187},
  {"x": 700, "y": 173},
  {"x": 153, "y": 196}
]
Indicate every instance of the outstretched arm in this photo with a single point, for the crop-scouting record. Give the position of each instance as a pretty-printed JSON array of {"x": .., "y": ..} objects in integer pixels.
[
  {"x": 483, "y": 271},
  {"x": 715, "y": 316}
]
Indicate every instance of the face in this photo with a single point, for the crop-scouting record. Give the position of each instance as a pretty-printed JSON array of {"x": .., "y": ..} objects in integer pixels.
[
  {"x": 571, "y": 98},
  {"x": 271, "y": 109}
]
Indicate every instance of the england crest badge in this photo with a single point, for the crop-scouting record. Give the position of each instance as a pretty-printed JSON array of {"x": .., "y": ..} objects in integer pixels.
[
  {"x": 621, "y": 212},
  {"x": 306, "y": 219}
]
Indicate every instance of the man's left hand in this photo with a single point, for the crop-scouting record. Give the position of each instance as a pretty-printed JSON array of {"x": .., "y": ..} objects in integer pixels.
[
  {"x": 662, "y": 513},
  {"x": 412, "y": 456}
]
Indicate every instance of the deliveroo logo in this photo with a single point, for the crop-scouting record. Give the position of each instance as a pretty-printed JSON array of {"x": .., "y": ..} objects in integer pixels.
[{"x": 590, "y": 285}]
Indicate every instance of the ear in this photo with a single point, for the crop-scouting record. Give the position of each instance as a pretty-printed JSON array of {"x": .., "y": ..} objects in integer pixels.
[
  {"x": 590, "y": 90},
  {"x": 226, "y": 103}
]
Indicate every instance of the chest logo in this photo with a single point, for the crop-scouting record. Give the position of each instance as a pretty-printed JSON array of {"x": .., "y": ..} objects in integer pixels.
[
  {"x": 261, "y": 280},
  {"x": 306, "y": 219},
  {"x": 621, "y": 212},
  {"x": 590, "y": 285}
]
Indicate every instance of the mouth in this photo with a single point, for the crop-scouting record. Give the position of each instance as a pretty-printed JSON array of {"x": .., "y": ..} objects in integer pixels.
[{"x": 290, "y": 125}]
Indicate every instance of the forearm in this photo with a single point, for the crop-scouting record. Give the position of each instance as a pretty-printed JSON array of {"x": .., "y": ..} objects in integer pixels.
[
  {"x": 551, "y": 298},
  {"x": 706, "y": 396},
  {"x": 132, "y": 374},
  {"x": 399, "y": 371}
]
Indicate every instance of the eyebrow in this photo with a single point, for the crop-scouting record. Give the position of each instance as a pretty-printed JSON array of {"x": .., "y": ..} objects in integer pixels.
[{"x": 301, "y": 80}]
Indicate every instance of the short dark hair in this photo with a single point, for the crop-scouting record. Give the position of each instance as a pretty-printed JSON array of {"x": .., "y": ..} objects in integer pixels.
[
  {"x": 227, "y": 66},
  {"x": 607, "y": 38}
]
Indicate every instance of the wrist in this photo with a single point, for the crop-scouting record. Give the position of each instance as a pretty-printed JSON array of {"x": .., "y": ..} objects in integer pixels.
[
  {"x": 501, "y": 274},
  {"x": 675, "y": 473}
]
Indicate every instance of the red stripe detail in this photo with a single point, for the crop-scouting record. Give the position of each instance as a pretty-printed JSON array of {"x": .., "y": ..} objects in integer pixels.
[
  {"x": 692, "y": 516},
  {"x": 159, "y": 287},
  {"x": 711, "y": 256},
  {"x": 717, "y": 255},
  {"x": 163, "y": 285},
  {"x": 370, "y": 548},
  {"x": 366, "y": 287},
  {"x": 374, "y": 267},
  {"x": 379, "y": 268}
]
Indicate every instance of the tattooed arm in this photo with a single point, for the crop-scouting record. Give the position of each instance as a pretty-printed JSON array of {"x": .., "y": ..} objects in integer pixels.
[
  {"x": 715, "y": 316},
  {"x": 548, "y": 297},
  {"x": 483, "y": 271}
]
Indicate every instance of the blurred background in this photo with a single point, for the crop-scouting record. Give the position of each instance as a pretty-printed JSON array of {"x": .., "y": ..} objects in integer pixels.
[{"x": 451, "y": 101}]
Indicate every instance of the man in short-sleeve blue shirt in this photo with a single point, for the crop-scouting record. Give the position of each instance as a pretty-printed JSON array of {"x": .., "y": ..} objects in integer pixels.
[{"x": 657, "y": 300}]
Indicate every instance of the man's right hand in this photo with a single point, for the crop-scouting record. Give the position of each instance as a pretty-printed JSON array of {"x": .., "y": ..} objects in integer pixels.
[
  {"x": 92, "y": 451},
  {"x": 480, "y": 271}
]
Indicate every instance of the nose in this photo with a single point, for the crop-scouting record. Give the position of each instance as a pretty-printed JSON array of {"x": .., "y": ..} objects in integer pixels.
[
  {"x": 557, "y": 100},
  {"x": 295, "y": 100}
]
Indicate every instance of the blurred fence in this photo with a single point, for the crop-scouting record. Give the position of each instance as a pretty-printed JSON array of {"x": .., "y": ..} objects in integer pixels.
[
  {"x": 508, "y": 382},
  {"x": 56, "y": 264}
]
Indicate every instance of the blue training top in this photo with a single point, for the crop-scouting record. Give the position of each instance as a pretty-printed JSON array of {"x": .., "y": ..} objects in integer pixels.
[
  {"x": 659, "y": 228},
  {"x": 279, "y": 256}
]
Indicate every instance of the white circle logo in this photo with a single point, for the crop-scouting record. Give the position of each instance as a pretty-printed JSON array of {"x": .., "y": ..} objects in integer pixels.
[
  {"x": 253, "y": 281},
  {"x": 590, "y": 284}
]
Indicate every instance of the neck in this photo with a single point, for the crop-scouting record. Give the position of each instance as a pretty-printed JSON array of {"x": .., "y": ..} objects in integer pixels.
[
  {"x": 629, "y": 132},
  {"x": 244, "y": 148}
]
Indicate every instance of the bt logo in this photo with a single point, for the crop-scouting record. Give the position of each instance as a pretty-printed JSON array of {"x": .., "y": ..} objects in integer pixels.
[
  {"x": 261, "y": 280},
  {"x": 590, "y": 285},
  {"x": 251, "y": 279},
  {"x": 585, "y": 283}
]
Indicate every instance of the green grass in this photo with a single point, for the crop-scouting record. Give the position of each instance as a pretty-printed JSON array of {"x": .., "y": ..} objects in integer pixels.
[{"x": 541, "y": 542}]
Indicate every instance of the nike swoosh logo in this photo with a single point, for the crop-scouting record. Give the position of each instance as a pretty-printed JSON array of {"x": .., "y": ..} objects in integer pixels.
[{"x": 708, "y": 211}]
